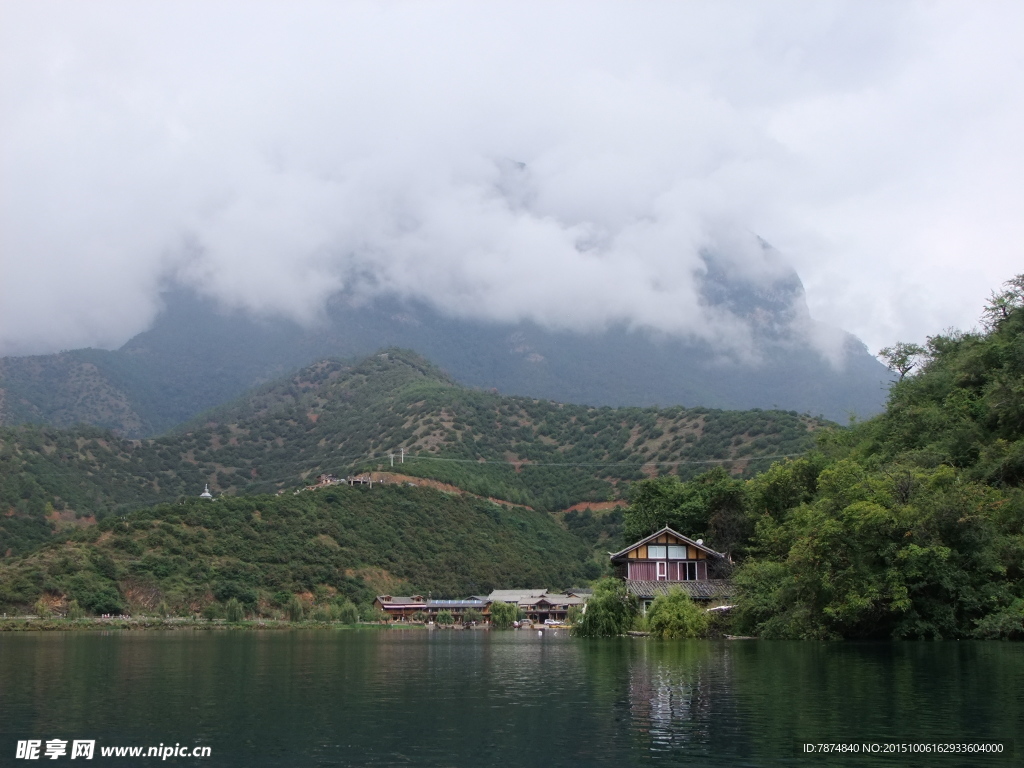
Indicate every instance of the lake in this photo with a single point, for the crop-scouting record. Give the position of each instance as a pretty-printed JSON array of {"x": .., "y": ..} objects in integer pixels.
[{"x": 470, "y": 698}]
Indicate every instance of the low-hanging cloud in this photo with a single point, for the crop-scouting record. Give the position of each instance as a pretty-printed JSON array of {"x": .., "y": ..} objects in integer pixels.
[{"x": 560, "y": 163}]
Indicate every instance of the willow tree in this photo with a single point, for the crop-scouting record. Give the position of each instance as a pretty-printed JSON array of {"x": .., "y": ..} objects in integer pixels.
[{"x": 609, "y": 612}]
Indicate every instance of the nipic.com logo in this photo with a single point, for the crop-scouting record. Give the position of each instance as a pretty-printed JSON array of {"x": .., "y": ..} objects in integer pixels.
[{"x": 85, "y": 749}]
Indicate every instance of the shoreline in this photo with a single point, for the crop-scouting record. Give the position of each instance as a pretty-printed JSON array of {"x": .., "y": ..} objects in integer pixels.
[{"x": 136, "y": 625}]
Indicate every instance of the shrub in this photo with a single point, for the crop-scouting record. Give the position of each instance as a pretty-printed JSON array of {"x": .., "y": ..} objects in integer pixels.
[
  {"x": 75, "y": 611},
  {"x": 675, "y": 615},
  {"x": 213, "y": 611},
  {"x": 323, "y": 613},
  {"x": 228, "y": 590},
  {"x": 96, "y": 595}
]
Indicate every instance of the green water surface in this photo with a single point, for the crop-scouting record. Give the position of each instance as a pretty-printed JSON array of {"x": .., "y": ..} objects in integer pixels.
[{"x": 444, "y": 698}]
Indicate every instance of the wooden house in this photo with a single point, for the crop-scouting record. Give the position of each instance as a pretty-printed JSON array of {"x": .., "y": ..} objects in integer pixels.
[
  {"x": 404, "y": 608},
  {"x": 400, "y": 608},
  {"x": 668, "y": 560},
  {"x": 538, "y": 605}
]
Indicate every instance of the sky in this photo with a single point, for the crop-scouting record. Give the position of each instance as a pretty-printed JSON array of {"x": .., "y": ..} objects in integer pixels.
[{"x": 560, "y": 162}]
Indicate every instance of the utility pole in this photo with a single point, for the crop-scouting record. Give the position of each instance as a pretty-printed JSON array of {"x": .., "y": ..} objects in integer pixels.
[
  {"x": 391, "y": 456},
  {"x": 403, "y": 455}
]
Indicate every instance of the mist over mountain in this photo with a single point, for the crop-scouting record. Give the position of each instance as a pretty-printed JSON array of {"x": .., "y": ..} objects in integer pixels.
[{"x": 198, "y": 355}]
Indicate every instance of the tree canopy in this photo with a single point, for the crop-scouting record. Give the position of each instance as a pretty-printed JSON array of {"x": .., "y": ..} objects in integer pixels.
[{"x": 909, "y": 525}]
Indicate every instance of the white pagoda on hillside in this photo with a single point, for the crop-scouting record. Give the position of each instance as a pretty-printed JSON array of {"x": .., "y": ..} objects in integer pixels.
[{"x": 206, "y": 493}]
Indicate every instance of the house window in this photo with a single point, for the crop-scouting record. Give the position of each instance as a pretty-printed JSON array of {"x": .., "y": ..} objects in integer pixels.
[
  {"x": 687, "y": 571},
  {"x": 677, "y": 553},
  {"x": 662, "y": 571},
  {"x": 656, "y": 553}
]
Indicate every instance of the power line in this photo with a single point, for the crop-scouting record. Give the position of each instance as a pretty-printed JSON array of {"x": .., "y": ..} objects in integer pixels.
[{"x": 527, "y": 463}]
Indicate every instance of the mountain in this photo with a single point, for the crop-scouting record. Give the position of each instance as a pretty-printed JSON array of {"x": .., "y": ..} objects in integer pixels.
[
  {"x": 338, "y": 417},
  {"x": 346, "y": 543},
  {"x": 197, "y": 356}
]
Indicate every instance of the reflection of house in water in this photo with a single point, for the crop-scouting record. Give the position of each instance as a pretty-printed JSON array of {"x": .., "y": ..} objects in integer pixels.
[
  {"x": 668, "y": 560},
  {"x": 672, "y": 696}
]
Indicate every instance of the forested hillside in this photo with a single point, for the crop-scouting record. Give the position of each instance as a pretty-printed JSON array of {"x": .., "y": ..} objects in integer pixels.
[
  {"x": 910, "y": 525},
  {"x": 339, "y": 418},
  {"x": 342, "y": 544}
]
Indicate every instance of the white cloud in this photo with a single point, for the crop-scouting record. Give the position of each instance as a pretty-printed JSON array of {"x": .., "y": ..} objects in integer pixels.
[{"x": 274, "y": 153}]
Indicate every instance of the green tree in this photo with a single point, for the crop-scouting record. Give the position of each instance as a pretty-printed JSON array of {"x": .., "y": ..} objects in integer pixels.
[
  {"x": 1002, "y": 304},
  {"x": 472, "y": 616},
  {"x": 372, "y": 614},
  {"x": 295, "y": 610},
  {"x": 445, "y": 618},
  {"x": 712, "y": 505},
  {"x": 653, "y": 504},
  {"x": 75, "y": 611},
  {"x": 233, "y": 611},
  {"x": 675, "y": 615},
  {"x": 903, "y": 357},
  {"x": 503, "y": 615},
  {"x": 348, "y": 613},
  {"x": 609, "y": 612}
]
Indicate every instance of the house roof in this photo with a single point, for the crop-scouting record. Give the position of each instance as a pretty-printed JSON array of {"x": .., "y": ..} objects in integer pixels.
[
  {"x": 400, "y": 602},
  {"x": 456, "y": 603},
  {"x": 550, "y": 599},
  {"x": 656, "y": 534},
  {"x": 516, "y": 595},
  {"x": 418, "y": 601},
  {"x": 712, "y": 589}
]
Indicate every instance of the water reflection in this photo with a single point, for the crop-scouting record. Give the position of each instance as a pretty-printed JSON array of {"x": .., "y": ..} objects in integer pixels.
[
  {"x": 671, "y": 692},
  {"x": 487, "y": 698}
]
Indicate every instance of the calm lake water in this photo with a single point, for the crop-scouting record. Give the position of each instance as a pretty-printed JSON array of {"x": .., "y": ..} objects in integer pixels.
[{"x": 443, "y": 698}]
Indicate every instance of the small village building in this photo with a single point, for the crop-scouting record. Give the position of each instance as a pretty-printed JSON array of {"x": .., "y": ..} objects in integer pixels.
[
  {"x": 458, "y": 608},
  {"x": 668, "y": 560},
  {"x": 539, "y": 605},
  {"x": 404, "y": 608},
  {"x": 400, "y": 608}
]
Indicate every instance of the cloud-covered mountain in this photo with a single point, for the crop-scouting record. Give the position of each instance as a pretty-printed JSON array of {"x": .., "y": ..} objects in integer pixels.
[{"x": 198, "y": 355}]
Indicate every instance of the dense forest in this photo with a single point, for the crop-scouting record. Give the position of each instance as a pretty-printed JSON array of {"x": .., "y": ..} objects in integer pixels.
[
  {"x": 910, "y": 525},
  {"x": 340, "y": 418}
]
